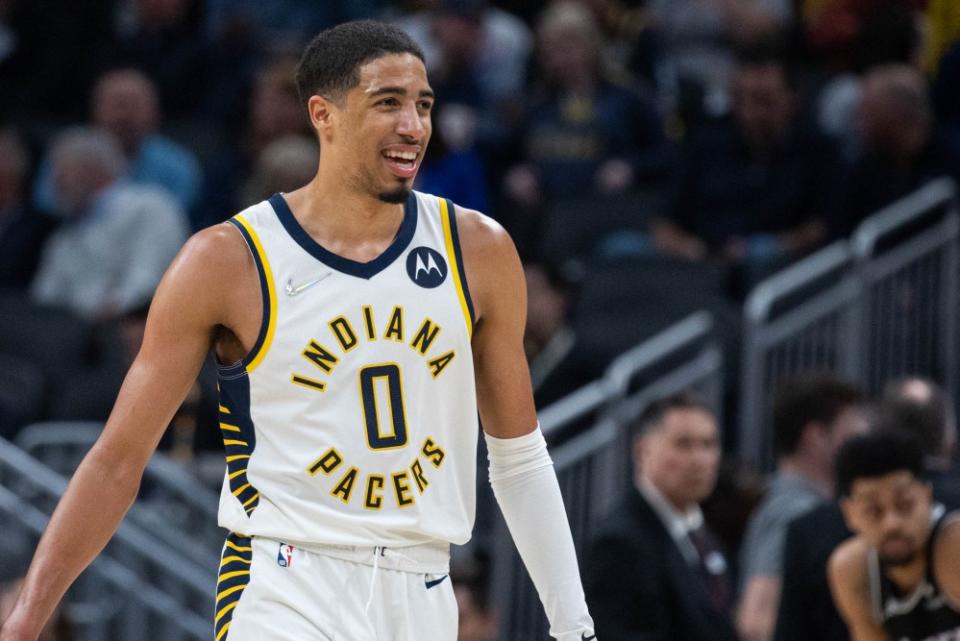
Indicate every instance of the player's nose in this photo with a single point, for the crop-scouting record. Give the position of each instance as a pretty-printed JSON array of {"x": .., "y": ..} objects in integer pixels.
[{"x": 410, "y": 124}]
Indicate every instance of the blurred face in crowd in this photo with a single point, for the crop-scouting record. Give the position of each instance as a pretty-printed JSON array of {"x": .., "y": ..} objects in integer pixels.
[
  {"x": 568, "y": 55},
  {"x": 275, "y": 109},
  {"x": 125, "y": 104},
  {"x": 848, "y": 423},
  {"x": 893, "y": 115},
  {"x": 377, "y": 132},
  {"x": 459, "y": 37},
  {"x": 681, "y": 455},
  {"x": 892, "y": 513},
  {"x": 763, "y": 103},
  {"x": 546, "y": 309}
]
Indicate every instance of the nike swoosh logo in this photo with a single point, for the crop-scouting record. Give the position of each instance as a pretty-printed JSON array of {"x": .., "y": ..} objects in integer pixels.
[
  {"x": 584, "y": 637},
  {"x": 436, "y": 582},
  {"x": 293, "y": 291}
]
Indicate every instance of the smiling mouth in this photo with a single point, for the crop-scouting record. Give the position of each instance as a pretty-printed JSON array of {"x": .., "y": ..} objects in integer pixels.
[{"x": 402, "y": 163}]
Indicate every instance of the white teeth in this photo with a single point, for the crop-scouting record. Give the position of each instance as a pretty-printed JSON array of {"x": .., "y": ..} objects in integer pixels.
[{"x": 402, "y": 155}]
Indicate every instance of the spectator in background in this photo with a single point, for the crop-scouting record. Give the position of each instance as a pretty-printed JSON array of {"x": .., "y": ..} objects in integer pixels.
[
  {"x": 22, "y": 229},
  {"x": 812, "y": 416},
  {"x": 164, "y": 39},
  {"x": 125, "y": 105},
  {"x": 752, "y": 190},
  {"x": 655, "y": 570},
  {"x": 698, "y": 38},
  {"x": 549, "y": 340},
  {"x": 584, "y": 133},
  {"x": 477, "y": 57},
  {"x": 273, "y": 112},
  {"x": 915, "y": 406},
  {"x": 286, "y": 164},
  {"x": 900, "y": 150},
  {"x": 452, "y": 166},
  {"x": 118, "y": 238}
]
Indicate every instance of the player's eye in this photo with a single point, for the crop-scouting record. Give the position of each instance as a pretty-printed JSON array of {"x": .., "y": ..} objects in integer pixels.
[
  {"x": 389, "y": 102},
  {"x": 425, "y": 105}
]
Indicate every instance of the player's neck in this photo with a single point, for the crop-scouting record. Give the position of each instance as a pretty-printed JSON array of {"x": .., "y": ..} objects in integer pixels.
[{"x": 335, "y": 215}]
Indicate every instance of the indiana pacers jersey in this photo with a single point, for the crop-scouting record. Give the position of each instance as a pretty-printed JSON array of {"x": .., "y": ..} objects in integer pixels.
[{"x": 353, "y": 420}]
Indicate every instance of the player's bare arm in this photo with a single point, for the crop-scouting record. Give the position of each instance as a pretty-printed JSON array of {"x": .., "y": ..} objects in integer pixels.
[
  {"x": 850, "y": 586},
  {"x": 496, "y": 282},
  {"x": 947, "y": 560},
  {"x": 204, "y": 290}
]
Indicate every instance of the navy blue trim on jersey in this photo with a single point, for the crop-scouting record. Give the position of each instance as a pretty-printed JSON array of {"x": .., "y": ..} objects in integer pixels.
[
  {"x": 452, "y": 212},
  {"x": 353, "y": 268},
  {"x": 265, "y": 297},
  {"x": 239, "y": 438}
]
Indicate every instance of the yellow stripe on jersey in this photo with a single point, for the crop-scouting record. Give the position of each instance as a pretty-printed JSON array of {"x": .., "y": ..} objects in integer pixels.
[
  {"x": 237, "y": 473},
  {"x": 445, "y": 215},
  {"x": 252, "y": 499},
  {"x": 230, "y": 575},
  {"x": 224, "y": 611},
  {"x": 237, "y": 457},
  {"x": 256, "y": 358},
  {"x": 239, "y": 490},
  {"x": 233, "y": 442},
  {"x": 229, "y": 428},
  {"x": 222, "y": 632},
  {"x": 238, "y": 548},
  {"x": 231, "y": 559},
  {"x": 222, "y": 408},
  {"x": 230, "y": 591}
]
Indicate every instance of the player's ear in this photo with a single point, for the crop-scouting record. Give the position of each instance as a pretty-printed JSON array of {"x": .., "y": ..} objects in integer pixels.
[{"x": 322, "y": 112}]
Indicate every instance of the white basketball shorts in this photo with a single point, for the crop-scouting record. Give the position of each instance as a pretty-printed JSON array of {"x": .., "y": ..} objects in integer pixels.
[{"x": 271, "y": 591}]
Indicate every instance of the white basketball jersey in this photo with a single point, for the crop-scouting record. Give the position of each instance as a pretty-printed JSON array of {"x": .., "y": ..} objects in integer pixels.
[{"x": 353, "y": 420}]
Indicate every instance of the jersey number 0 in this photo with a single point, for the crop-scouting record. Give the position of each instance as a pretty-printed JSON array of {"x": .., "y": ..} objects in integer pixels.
[{"x": 397, "y": 435}]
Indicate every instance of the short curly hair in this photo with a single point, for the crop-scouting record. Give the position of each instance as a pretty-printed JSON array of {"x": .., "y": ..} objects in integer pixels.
[{"x": 330, "y": 65}]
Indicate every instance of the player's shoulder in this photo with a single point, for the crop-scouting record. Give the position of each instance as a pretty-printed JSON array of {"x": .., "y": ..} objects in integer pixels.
[
  {"x": 481, "y": 233},
  {"x": 216, "y": 252},
  {"x": 848, "y": 563}
]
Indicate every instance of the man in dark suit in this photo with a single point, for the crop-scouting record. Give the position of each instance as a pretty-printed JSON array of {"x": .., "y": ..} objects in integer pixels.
[
  {"x": 912, "y": 405},
  {"x": 655, "y": 572}
]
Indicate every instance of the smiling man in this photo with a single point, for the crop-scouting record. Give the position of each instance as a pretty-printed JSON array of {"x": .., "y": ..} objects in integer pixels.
[
  {"x": 898, "y": 579},
  {"x": 360, "y": 327}
]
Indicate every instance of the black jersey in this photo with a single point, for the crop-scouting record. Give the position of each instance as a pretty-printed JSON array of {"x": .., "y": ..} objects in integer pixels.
[{"x": 923, "y": 615}]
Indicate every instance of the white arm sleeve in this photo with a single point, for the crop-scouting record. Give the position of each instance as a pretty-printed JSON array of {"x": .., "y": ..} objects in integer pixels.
[{"x": 525, "y": 485}]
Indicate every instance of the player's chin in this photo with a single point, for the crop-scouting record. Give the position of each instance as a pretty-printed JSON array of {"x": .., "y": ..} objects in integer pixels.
[
  {"x": 897, "y": 553},
  {"x": 397, "y": 195}
]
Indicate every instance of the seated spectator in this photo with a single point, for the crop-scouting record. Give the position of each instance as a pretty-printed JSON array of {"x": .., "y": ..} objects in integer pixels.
[
  {"x": 118, "y": 238},
  {"x": 655, "y": 570},
  {"x": 274, "y": 111},
  {"x": 285, "y": 165},
  {"x": 22, "y": 229},
  {"x": 125, "y": 105},
  {"x": 549, "y": 341},
  {"x": 812, "y": 417},
  {"x": 583, "y": 132},
  {"x": 900, "y": 146},
  {"x": 753, "y": 189}
]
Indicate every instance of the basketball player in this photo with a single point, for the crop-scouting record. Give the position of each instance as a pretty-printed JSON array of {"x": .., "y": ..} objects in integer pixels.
[
  {"x": 361, "y": 327},
  {"x": 898, "y": 578}
]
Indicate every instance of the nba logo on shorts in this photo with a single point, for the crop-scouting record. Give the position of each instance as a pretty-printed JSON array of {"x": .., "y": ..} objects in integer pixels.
[{"x": 285, "y": 555}]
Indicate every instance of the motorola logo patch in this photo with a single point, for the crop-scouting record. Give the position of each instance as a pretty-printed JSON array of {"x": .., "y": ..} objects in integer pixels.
[{"x": 426, "y": 267}]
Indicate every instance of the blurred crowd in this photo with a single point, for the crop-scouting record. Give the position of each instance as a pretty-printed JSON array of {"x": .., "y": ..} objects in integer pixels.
[{"x": 681, "y": 149}]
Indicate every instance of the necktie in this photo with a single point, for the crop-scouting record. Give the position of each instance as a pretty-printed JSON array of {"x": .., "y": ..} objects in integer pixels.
[{"x": 712, "y": 569}]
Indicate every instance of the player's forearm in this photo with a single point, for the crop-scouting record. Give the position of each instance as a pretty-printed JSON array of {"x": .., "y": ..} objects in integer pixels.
[
  {"x": 99, "y": 495},
  {"x": 526, "y": 488}
]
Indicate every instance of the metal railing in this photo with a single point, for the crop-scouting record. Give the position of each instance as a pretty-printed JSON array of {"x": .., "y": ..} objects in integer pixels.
[
  {"x": 593, "y": 468},
  {"x": 172, "y": 500},
  {"x": 880, "y": 306},
  {"x": 133, "y": 557}
]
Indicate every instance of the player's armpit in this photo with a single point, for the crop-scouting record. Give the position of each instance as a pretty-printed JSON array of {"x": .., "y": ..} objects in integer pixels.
[
  {"x": 496, "y": 281},
  {"x": 179, "y": 329},
  {"x": 850, "y": 587}
]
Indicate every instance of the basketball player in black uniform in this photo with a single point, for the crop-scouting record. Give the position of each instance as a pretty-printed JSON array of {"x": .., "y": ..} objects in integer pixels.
[{"x": 898, "y": 579}]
